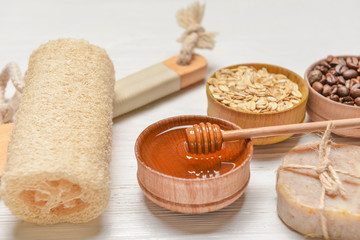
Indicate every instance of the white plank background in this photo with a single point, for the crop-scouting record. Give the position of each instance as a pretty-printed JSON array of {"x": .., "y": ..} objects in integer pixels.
[{"x": 136, "y": 34}]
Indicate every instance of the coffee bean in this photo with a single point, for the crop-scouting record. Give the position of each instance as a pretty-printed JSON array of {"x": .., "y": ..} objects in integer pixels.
[
  {"x": 335, "y": 61},
  {"x": 326, "y": 90},
  {"x": 351, "y": 103},
  {"x": 351, "y": 73},
  {"x": 348, "y": 99},
  {"x": 347, "y": 84},
  {"x": 334, "y": 97},
  {"x": 330, "y": 79},
  {"x": 342, "y": 90},
  {"x": 342, "y": 61},
  {"x": 317, "y": 86},
  {"x": 334, "y": 89},
  {"x": 353, "y": 81},
  {"x": 323, "y": 80},
  {"x": 314, "y": 76},
  {"x": 323, "y": 69},
  {"x": 343, "y": 69},
  {"x": 352, "y": 62},
  {"x": 325, "y": 64},
  {"x": 332, "y": 71},
  {"x": 357, "y": 101},
  {"x": 355, "y": 91},
  {"x": 329, "y": 58},
  {"x": 341, "y": 80},
  {"x": 338, "y": 68}
]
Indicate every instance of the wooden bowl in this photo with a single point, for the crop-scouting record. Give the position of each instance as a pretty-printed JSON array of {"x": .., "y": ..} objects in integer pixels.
[
  {"x": 189, "y": 195},
  {"x": 321, "y": 108},
  {"x": 252, "y": 120}
]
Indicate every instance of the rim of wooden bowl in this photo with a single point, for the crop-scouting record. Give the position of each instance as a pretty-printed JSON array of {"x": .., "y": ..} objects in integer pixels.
[
  {"x": 303, "y": 98},
  {"x": 150, "y": 127},
  {"x": 318, "y": 94}
]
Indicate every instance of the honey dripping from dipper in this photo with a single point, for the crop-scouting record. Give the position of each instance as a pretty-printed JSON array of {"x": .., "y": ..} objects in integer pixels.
[{"x": 170, "y": 155}]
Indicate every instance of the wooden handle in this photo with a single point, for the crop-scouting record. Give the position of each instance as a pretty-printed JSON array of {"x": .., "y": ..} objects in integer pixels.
[
  {"x": 289, "y": 129},
  {"x": 156, "y": 82},
  {"x": 207, "y": 138},
  {"x": 5, "y": 130}
]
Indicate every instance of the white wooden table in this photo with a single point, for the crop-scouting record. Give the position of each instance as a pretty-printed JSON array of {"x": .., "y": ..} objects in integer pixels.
[{"x": 136, "y": 34}]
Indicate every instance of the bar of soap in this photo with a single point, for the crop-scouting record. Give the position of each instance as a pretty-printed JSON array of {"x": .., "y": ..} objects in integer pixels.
[
  {"x": 299, "y": 193},
  {"x": 60, "y": 147}
]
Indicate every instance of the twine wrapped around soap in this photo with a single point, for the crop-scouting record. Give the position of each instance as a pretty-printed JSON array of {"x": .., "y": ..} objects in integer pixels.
[
  {"x": 8, "y": 107},
  {"x": 194, "y": 35},
  {"x": 329, "y": 179}
]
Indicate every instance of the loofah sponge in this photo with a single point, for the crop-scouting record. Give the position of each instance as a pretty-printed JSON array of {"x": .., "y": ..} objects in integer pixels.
[{"x": 60, "y": 147}]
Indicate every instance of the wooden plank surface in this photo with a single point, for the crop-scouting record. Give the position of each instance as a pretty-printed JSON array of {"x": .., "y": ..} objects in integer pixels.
[{"x": 139, "y": 33}]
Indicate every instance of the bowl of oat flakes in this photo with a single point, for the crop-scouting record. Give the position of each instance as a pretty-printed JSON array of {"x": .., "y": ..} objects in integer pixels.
[{"x": 257, "y": 95}]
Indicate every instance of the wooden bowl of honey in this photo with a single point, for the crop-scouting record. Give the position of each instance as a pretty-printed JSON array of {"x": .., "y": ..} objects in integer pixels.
[
  {"x": 321, "y": 108},
  {"x": 179, "y": 181},
  {"x": 280, "y": 107}
]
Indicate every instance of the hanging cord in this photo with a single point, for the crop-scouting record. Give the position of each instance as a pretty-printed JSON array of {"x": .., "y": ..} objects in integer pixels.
[
  {"x": 8, "y": 107},
  {"x": 194, "y": 35}
]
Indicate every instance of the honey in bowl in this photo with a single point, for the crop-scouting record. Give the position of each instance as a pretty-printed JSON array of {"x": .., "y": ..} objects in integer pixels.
[
  {"x": 189, "y": 183},
  {"x": 180, "y": 163}
]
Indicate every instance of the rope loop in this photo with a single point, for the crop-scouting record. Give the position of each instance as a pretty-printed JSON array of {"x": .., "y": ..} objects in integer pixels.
[
  {"x": 8, "y": 107},
  {"x": 195, "y": 35}
]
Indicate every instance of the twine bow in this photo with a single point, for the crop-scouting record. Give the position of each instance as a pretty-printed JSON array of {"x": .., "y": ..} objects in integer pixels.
[
  {"x": 329, "y": 179},
  {"x": 194, "y": 35},
  {"x": 8, "y": 107}
]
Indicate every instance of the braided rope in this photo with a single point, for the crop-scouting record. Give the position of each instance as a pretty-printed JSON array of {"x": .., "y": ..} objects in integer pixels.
[
  {"x": 194, "y": 35},
  {"x": 8, "y": 107}
]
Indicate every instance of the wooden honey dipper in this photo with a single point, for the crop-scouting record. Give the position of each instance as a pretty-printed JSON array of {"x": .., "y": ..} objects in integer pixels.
[{"x": 208, "y": 138}]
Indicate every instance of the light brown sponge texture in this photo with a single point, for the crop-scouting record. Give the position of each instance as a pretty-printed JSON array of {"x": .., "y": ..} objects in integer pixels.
[{"x": 60, "y": 148}]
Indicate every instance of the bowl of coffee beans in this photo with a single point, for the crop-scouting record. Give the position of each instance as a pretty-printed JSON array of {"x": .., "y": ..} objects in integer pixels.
[
  {"x": 257, "y": 95},
  {"x": 334, "y": 84}
]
